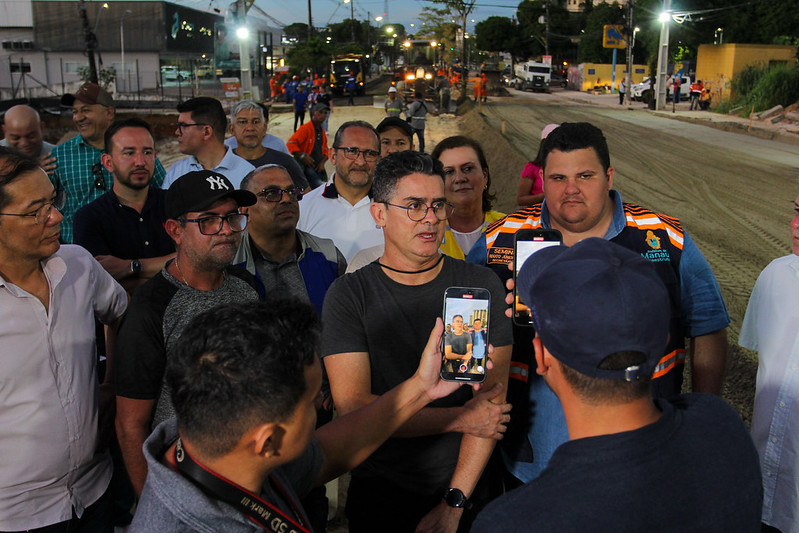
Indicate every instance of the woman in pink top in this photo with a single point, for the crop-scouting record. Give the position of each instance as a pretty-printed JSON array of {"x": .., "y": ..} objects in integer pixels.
[{"x": 531, "y": 184}]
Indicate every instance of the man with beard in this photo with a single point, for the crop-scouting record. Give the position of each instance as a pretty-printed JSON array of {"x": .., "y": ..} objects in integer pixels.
[
  {"x": 340, "y": 210},
  {"x": 284, "y": 260},
  {"x": 124, "y": 228},
  {"x": 80, "y": 173},
  {"x": 203, "y": 218}
]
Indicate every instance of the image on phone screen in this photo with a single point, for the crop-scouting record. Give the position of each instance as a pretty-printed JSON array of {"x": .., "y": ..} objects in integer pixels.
[
  {"x": 466, "y": 317},
  {"x": 524, "y": 249}
]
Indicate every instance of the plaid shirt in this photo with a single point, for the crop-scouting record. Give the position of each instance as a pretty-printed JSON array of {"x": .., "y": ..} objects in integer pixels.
[{"x": 78, "y": 173}]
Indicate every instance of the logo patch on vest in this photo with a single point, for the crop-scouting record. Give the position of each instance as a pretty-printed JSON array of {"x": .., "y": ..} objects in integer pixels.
[
  {"x": 656, "y": 254},
  {"x": 498, "y": 255}
]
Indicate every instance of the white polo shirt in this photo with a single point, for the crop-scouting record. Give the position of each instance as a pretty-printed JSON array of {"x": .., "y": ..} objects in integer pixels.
[
  {"x": 232, "y": 167},
  {"x": 324, "y": 213}
]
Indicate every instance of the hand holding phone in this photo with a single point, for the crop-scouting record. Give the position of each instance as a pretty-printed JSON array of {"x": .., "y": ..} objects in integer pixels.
[{"x": 465, "y": 347}]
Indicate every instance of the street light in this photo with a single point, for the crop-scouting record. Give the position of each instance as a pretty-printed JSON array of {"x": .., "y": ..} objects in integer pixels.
[{"x": 122, "y": 40}]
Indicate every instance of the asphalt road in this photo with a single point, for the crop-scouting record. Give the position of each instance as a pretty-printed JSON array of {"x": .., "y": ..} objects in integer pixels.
[{"x": 733, "y": 193}]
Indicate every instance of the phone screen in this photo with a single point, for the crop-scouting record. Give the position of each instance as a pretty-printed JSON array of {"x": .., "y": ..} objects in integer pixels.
[
  {"x": 466, "y": 323},
  {"x": 524, "y": 248}
]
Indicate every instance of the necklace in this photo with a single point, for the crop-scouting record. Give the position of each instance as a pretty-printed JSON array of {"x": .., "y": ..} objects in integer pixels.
[
  {"x": 428, "y": 269},
  {"x": 182, "y": 275}
]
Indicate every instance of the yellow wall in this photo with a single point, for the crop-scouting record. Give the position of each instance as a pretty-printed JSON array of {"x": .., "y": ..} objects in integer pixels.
[
  {"x": 603, "y": 73},
  {"x": 717, "y": 64}
]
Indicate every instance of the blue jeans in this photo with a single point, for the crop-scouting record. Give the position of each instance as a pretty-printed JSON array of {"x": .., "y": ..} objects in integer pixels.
[
  {"x": 547, "y": 432},
  {"x": 420, "y": 134},
  {"x": 315, "y": 179}
]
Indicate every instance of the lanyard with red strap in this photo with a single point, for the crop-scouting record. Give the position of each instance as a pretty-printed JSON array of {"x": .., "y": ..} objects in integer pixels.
[{"x": 251, "y": 505}]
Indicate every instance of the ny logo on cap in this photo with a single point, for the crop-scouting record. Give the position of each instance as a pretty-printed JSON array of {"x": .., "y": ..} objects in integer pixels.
[{"x": 217, "y": 182}]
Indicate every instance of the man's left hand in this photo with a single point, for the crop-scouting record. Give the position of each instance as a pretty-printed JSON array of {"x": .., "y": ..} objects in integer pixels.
[
  {"x": 118, "y": 268},
  {"x": 442, "y": 519}
]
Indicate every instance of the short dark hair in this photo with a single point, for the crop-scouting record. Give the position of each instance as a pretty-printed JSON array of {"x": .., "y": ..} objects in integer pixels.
[
  {"x": 457, "y": 141},
  {"x": 354, "y": 124},
  {"x": 240, "y": 365},
  {"x": 602, "y": 391},
  {"x": 134, "y": 122},
  {"x": 571, "y": 136},
  {"x": 393, "y": 167},
  {"x": 206, "y": 110},
  {"x": 13, "y": 164}
]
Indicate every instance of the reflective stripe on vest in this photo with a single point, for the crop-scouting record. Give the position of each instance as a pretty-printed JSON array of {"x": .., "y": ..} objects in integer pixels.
[
  {"x": 668, "y": 361},
  {"x": 519, "y": 371}
]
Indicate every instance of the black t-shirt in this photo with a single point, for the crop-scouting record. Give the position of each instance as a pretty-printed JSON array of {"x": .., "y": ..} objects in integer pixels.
[
  {"x": 324, "y": 99},
  {"x": 367, "y": 311},
  {"x": 316, "y": 151},
  {"x": 106, "y": 227},
  {"x": 273, "y": 157},
  {"x": 693, "y": 470}
]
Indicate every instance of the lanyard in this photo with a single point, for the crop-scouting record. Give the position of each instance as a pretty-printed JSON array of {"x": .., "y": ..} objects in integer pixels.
[{"x": 252, "y": 506}]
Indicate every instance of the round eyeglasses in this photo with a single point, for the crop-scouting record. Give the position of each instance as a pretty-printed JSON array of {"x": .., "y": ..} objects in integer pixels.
[
  {"x": 417, "y": 211},
  {"x": 211, "y": 225},
  {"x": 43, "y": 213}
]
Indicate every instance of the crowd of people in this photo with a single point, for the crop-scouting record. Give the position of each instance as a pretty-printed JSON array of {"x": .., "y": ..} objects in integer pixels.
[{"x": 177, "y": 341}]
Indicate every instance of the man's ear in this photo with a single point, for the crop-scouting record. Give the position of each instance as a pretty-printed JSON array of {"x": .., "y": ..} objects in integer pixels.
[
  {"x": 538, "y": 347},
  {"x": 173, "y": 229},
  {"x": 244, "y": 210},
  {"x": 378, "y": 211},
  {"x": 105, "y": 159},
  {"x": 266, "y": 439}
]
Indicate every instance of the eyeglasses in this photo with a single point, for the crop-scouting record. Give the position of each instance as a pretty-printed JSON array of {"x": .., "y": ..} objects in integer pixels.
[
  {"x": 99, "y": 179},
  {"x": 275, "y": 195},
  {"x": 352, "y": 153},
  {"x": 181, "y": 125},
  {"x": 211, "y": 225},
  {"x": 43, "y": 213},
  {"x": 417, "y": 211}
]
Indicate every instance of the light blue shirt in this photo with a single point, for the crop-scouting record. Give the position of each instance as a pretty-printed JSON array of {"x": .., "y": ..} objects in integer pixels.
[
  {"x": 771, "y": 327},
  {"x": 478, "y": 345},
  {"x": 232, "y": 167}
]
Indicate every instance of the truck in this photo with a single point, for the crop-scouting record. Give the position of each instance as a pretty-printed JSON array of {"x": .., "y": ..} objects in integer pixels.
[
  {"x": 340, "y": 68},
  {"x": 532, "y": 75}
]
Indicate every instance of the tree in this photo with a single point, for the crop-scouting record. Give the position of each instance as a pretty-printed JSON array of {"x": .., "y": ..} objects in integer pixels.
[
  {"x": 312, "y": 55},
  {"x": 461, "y": 9},
  {"x": 297, "y": 31}
]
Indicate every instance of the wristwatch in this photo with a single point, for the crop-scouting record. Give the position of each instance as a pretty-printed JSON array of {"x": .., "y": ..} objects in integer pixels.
[
  {"x": 135, "y": 266},
  {"x": 456, "y": 498}
]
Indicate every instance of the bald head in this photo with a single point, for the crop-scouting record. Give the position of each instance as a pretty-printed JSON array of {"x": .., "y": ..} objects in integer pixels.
[{"x": 23, "y": 130}]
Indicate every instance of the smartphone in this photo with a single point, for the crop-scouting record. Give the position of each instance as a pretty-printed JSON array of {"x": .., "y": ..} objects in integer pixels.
[
  {"x": 466, "y": 321},
  {"x": 526, "y": 243}
]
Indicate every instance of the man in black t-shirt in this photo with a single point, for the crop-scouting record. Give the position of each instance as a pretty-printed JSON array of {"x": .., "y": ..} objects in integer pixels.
[
  {"x": 376, "y": 322},
  {"x": 202, "y": 217}
]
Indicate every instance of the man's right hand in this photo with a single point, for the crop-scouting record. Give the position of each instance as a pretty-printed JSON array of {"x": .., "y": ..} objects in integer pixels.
[
  {"x": 48, "y": 163},
  {"x": 482, "y": 417}
]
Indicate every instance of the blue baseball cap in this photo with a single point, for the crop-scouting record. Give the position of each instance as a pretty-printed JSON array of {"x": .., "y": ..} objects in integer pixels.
[{"x": 594, "y": 299}]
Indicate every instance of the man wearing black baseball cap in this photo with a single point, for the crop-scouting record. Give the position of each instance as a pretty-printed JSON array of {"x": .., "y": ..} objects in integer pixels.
[
  {"x": 633, "y": 463},
  {"x": 203, "y": 218}
]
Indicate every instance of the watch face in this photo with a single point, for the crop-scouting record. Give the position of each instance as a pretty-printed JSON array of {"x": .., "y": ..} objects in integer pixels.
[{"x": 455, "y": 498}]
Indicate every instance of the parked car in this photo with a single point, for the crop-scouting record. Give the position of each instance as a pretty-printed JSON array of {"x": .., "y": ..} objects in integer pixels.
[
  {"x": 643, "y": 92},
  {"x": 173, "y": 73}
]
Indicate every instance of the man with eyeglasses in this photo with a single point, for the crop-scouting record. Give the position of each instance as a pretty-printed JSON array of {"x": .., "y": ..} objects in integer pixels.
[
  {"x": 308, "y": 145},
  {"x": 55, "y": 421},
  {"x": 203, "y": 218},
  {"x": 284, "y": 260},
  {"x": 124, "y": 228},
  {"x": 80, "y": 173},
  {"x": 200, "y": 130},
  {"x": 248, "y": 127},
  {"x": 340, "y": 210},
  {"x": 427, "y": 475}
]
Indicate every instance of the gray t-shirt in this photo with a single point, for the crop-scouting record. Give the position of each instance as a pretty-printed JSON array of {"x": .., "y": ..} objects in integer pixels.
[
  {"x": 460, "y": 343},
  {"x": 367, "y": 311},
  {"x": 157, "y": 314}
]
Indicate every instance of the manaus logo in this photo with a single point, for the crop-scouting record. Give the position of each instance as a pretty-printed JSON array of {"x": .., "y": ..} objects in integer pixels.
[{"x": 652, "y": 240}]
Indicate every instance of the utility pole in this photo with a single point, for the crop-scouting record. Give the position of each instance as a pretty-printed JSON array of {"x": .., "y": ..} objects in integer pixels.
[
  {"x": 310, "y": 22},
  {"x": 628, "y": 80},
  {"x": 352, "y": 18},
  {"x": 546, "y": 34},
  {"x": 91, "y": 42},
  {"x": 663, "y": 57}
]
